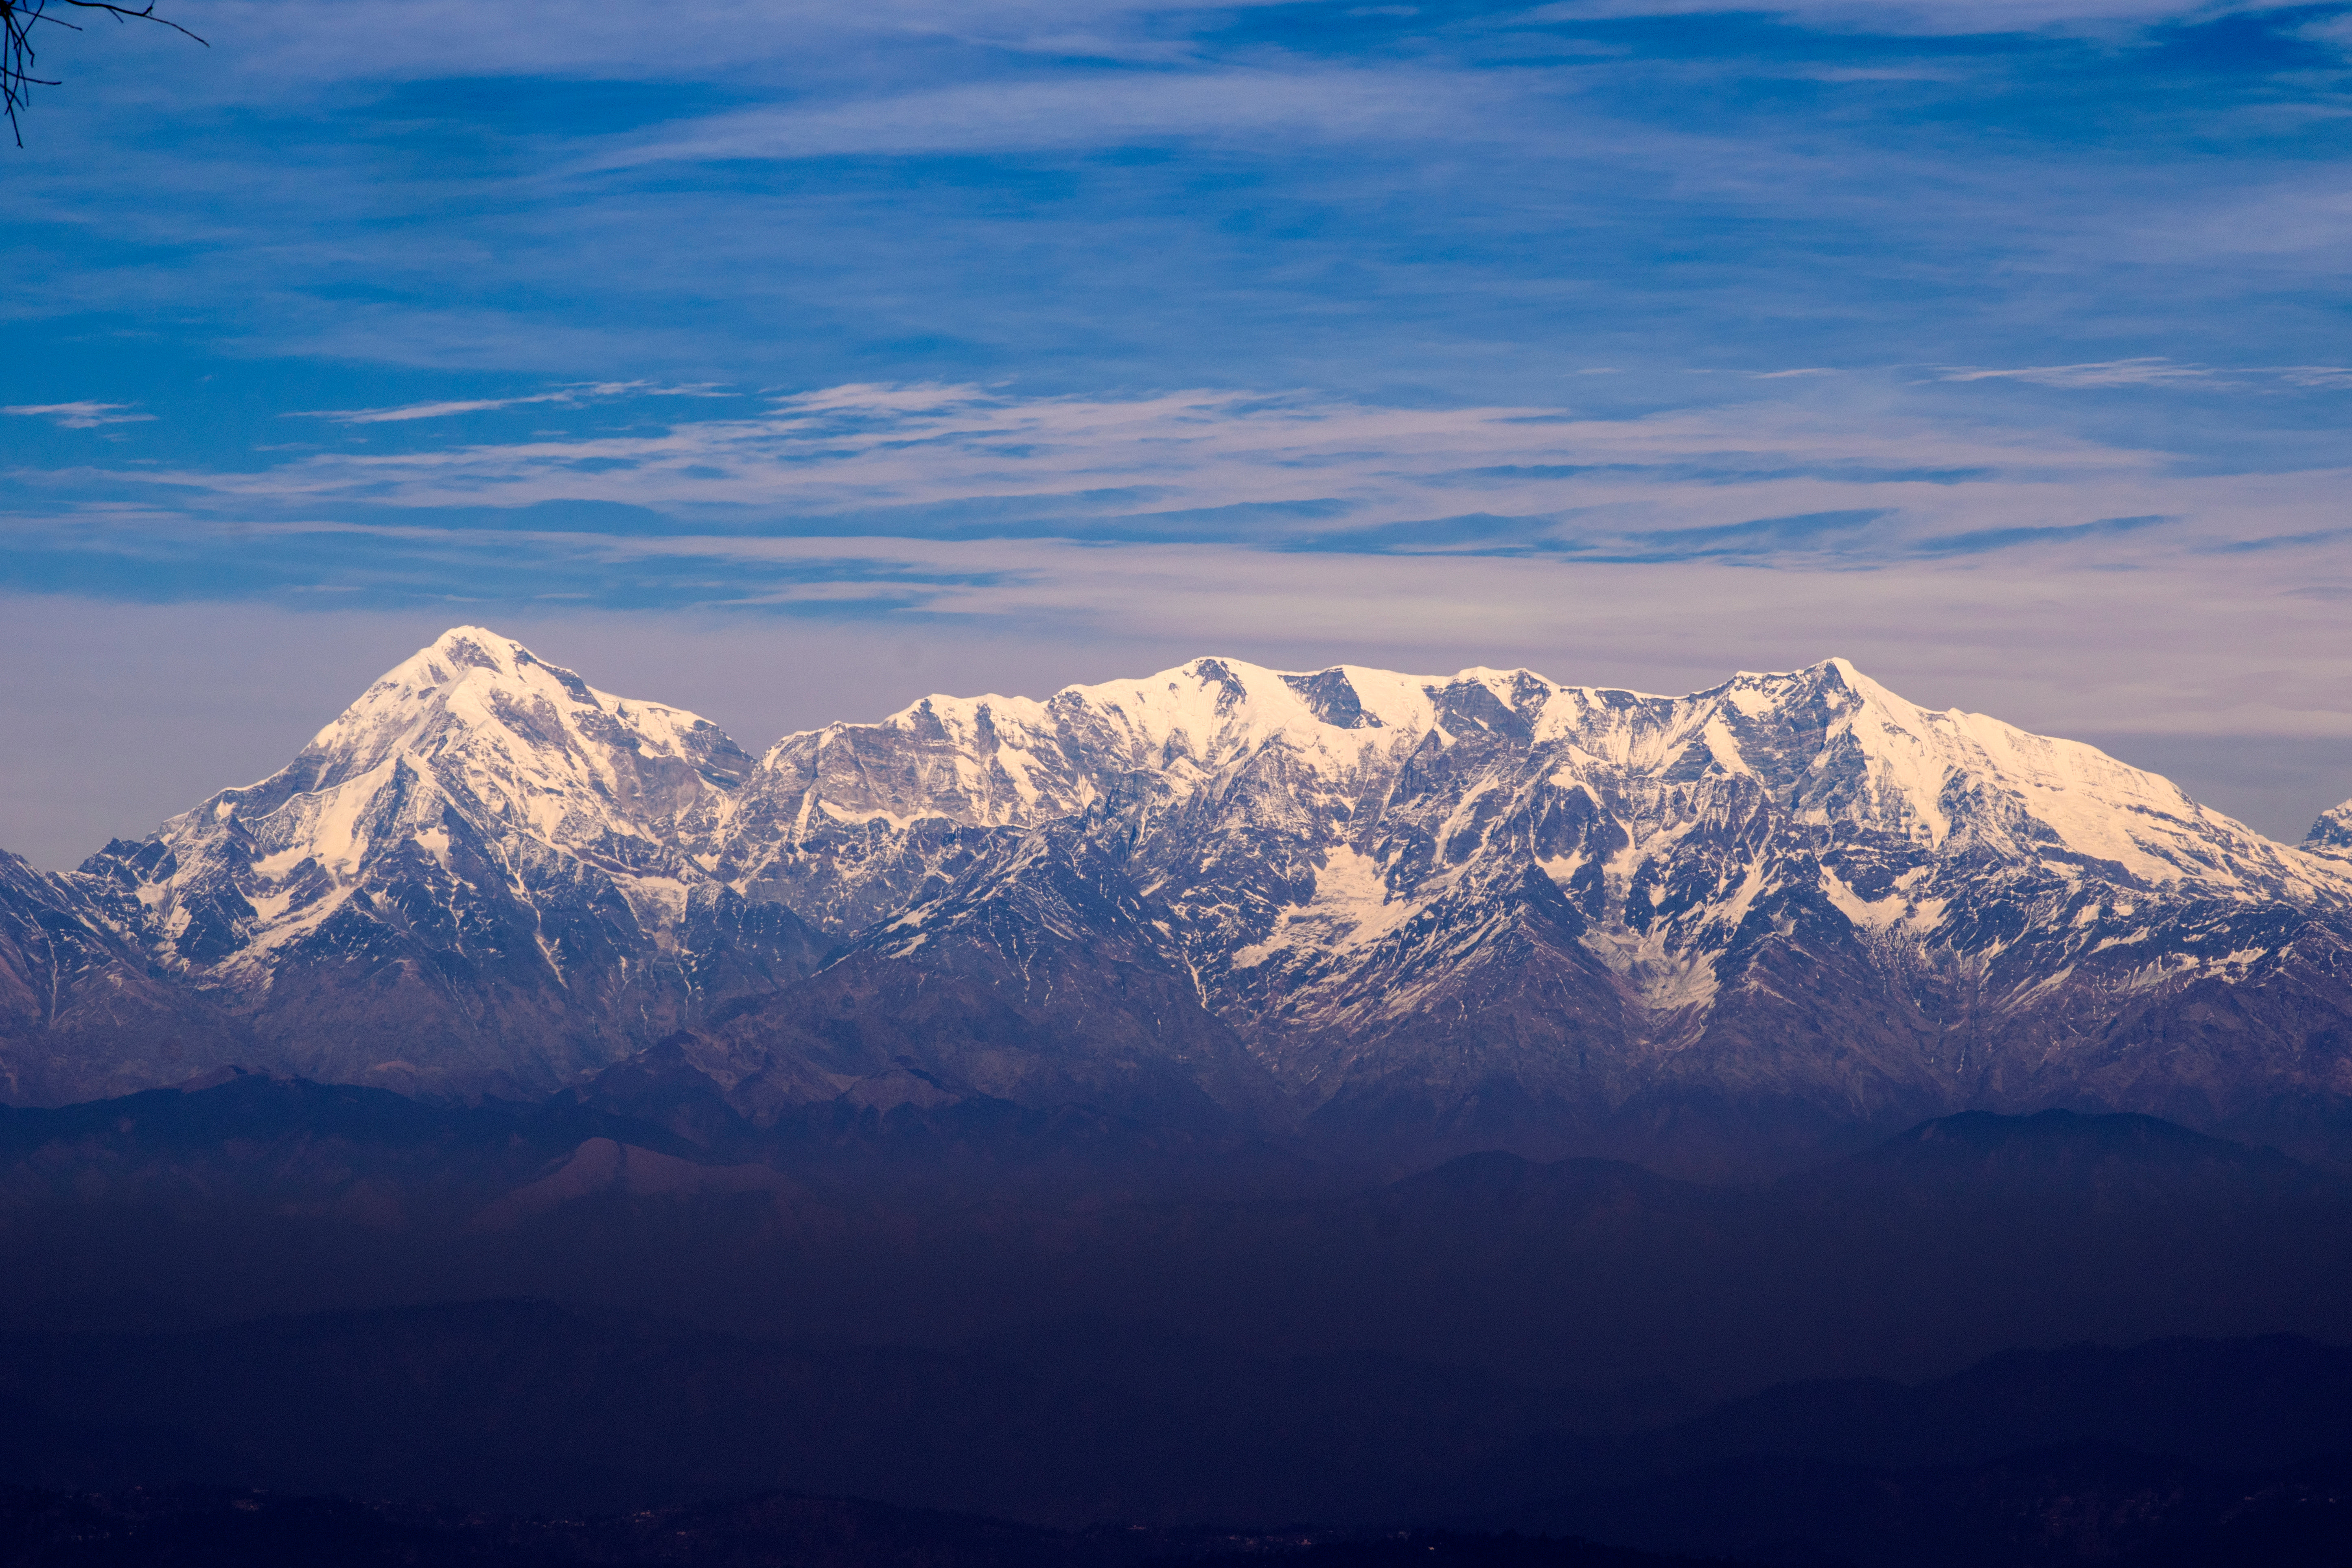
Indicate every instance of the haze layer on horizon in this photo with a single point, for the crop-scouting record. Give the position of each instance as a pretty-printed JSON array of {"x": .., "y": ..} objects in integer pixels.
[{"x": 787, "y": 363}]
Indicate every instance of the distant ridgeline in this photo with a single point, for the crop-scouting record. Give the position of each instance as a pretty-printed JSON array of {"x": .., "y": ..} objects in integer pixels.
[{"x": 1398, "y": 915}]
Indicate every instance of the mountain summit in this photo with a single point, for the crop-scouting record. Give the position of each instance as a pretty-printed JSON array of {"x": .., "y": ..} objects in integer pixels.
[
  {"x": 1379, "y": 908},
  {"x": 473, "y": 748},
  {"x": 472, "y": 879}
]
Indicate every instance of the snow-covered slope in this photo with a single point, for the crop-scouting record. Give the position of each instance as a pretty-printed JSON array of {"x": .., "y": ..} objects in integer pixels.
[
  {"x": 1475, "y": 909},
  {"x": 475, "y": 874},
  {"x": 1487, "y": 894},
  {"x": 1347, "y": 799},
  {"x": 847, "y": 822},
  {"x": 473, "y": 730}
]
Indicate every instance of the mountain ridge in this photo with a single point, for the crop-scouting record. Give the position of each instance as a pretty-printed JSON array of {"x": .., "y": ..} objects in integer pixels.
[{"x": 1478, "y": 911}]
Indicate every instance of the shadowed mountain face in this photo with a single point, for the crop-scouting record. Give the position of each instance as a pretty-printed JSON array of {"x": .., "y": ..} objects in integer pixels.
[{"x": 1399, "y": 916}]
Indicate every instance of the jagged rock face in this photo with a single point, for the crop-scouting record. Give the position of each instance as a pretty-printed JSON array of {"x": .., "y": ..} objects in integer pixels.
[{"x": 1469, "y": 911}]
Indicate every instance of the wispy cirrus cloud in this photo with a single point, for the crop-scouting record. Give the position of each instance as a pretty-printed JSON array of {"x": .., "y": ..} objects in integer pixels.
[
  {"x": 935, "y": 499},
  {"x": 1340, "y": 105},
  {"x": 80, "y": 415},
  {"x": 1278, "y": 470},
  {"x": 2150, "y": 370},
  {"x": 448, "y": 408},
  {"x": 2153, "y": 370}
]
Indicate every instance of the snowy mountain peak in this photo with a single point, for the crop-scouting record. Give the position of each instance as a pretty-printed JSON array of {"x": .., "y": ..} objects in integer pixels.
[
  {"x": 461, "y": 649},
  {"x": 2332, "y": 834},
  {"x": 473, "y": 764},
  {"x": 512, "y": 738}
]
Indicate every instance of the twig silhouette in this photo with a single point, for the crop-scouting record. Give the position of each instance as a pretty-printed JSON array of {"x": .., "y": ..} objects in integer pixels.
[{"x": 17, "y": 56}]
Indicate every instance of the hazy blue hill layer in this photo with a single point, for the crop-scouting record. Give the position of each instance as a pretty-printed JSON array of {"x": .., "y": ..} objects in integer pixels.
[
  {"x": 935, "y": 1216},
  {"x": 949, "y": 1301},
  {"x": 941, "y": 1299}
]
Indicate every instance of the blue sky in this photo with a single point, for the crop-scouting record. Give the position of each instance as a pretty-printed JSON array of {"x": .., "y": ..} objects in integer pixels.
[{"x": 791, "y": 361}]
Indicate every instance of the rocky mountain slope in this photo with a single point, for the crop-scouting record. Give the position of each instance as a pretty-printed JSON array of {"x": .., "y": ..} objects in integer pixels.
[{"x": 1383, "y": 909}]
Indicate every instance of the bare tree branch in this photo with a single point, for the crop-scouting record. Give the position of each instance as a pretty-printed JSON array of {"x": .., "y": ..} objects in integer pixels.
[{"x": 17, "y": 56}]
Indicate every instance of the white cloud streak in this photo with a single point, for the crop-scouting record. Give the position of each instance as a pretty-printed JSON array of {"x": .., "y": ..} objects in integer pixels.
[
  {"x": 2153, "y": 370},
  {"x": 1229, "y": 105},
  {"x": 80, "y": 415},
  {"x": 449, "y": 408}
]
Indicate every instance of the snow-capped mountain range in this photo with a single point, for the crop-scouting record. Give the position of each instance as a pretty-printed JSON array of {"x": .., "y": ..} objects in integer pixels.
[{"x": 1467, "y": 910}]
